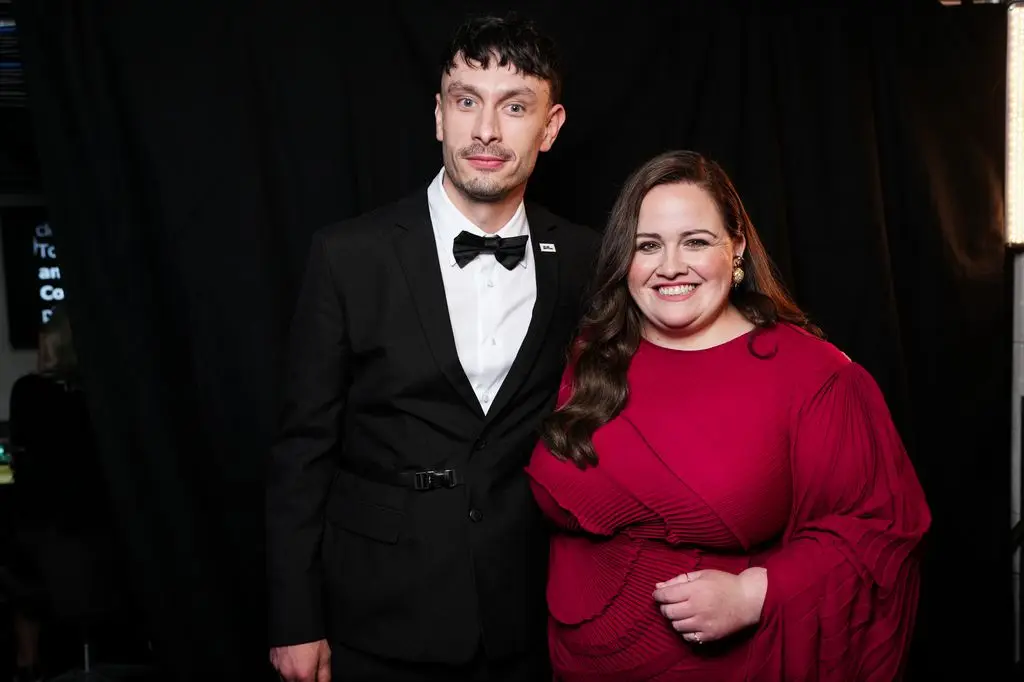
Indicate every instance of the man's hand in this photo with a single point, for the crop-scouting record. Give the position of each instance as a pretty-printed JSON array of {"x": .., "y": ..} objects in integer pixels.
[{"x": 310, "y": 662}]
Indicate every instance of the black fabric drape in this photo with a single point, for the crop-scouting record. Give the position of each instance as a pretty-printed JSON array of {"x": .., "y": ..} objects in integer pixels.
[{"x": 189, "y": 150}]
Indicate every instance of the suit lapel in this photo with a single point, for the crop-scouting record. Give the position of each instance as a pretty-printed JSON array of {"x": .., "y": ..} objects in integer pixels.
[
  {"x": 417, "y": 252},
  {"x": 542, "y": 228}
]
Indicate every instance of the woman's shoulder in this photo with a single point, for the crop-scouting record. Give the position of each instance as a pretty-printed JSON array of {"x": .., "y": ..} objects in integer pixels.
[
  {"x": 28, "y": 384},
  {"x": 803, "y": 354},
  {"x": 42, "y": 386},
  {"x": 801, "y": 341}
]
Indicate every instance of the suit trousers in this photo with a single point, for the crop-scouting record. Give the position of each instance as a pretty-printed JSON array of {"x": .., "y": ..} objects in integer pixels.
[{"x": 350, "y": 665}]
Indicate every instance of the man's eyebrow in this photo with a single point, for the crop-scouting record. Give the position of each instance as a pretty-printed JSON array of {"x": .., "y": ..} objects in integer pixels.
[{"x": 456, "y": 87}]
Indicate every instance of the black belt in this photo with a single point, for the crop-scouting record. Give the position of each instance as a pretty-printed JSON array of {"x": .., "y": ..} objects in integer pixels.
[{"x": 417, "y": 480}]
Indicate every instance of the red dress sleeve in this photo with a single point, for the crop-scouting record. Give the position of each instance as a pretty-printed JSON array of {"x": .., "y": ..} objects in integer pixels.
[{"x": 843, "y": 589}]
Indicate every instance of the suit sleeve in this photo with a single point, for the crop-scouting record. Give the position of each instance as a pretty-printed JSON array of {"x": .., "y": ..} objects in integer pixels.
[
  {"x": 301, "y": 468},
  {"x": 543, "y": 463},
  {"x": 843, "y": 589},
  {"x": 16, "y": 417}
]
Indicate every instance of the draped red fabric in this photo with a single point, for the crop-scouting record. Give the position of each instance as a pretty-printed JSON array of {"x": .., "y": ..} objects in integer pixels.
[
  {"x": 843, "y": 589},
  {"x": 725, "y": 460}
]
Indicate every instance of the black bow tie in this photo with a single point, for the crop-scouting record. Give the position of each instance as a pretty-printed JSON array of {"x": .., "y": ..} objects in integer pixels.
[{"x": 508, "y": 251}]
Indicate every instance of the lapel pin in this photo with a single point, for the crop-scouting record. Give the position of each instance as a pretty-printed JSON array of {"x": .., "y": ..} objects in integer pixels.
[{"x": 547, "y": 248}]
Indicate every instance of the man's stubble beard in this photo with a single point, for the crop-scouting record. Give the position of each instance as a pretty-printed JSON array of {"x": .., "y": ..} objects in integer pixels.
[
  {"x": 482, "y": 190},
  {"x": 485, "y": 188}
]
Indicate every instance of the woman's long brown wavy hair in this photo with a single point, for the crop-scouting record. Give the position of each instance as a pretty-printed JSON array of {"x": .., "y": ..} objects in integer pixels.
[{"x": 611, "y": 326}]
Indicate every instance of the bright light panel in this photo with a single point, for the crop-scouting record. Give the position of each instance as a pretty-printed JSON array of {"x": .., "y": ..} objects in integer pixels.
[{"x": 1015, "y": 125}]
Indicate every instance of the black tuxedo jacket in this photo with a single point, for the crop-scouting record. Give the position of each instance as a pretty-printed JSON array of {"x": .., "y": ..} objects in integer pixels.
[{"x": 373, "y": 389}]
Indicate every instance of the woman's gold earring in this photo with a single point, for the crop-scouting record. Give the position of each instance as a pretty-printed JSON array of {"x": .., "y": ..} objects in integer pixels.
[{"x": 737, "y": 271}]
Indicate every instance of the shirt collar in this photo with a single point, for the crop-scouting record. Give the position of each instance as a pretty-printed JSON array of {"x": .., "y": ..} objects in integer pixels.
[{"x": 448, "y": 221}]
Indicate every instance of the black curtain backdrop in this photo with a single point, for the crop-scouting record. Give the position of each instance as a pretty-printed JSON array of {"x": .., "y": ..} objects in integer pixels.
[{"x": 189, "y": 150}]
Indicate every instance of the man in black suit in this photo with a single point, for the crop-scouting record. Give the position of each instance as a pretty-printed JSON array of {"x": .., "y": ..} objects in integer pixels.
[{"x": 427, "y": 345}]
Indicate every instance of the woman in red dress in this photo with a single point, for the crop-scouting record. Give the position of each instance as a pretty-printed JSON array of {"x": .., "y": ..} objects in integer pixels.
[{"x": 731, "y": 498}]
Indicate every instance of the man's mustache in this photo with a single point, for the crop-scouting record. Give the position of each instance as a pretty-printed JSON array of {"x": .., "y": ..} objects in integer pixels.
[{"x": 480, "y": 150}]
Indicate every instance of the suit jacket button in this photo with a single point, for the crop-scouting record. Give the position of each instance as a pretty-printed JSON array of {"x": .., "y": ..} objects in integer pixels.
[
  {"x": 475, "y": 515},
  {"x": 480, "y": 444}
]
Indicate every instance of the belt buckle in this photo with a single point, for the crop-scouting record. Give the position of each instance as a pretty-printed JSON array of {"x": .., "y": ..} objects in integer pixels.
[{"x": 430, "y": 480}]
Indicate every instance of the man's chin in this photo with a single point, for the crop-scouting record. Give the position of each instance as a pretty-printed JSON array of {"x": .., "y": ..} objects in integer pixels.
[{"x": 484, "y": 192}]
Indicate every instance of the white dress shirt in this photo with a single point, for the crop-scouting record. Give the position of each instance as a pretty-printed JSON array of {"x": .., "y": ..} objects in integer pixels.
[{"x": 490, "y": 307}]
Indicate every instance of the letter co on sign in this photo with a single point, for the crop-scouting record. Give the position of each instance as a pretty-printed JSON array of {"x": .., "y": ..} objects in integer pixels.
[{"x": 48, "y": 292}]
